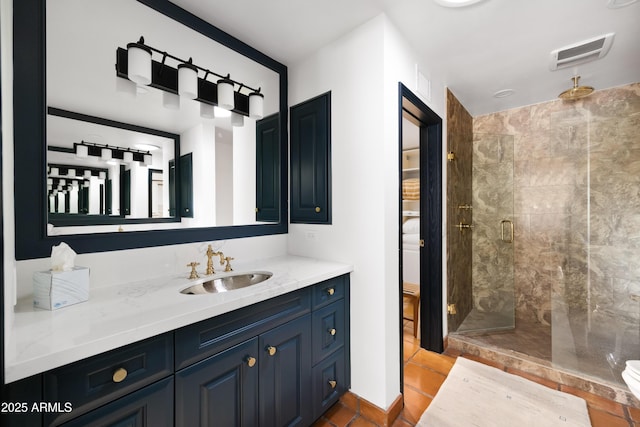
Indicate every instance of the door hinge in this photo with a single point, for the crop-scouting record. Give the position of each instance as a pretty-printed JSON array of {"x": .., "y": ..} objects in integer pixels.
[{"x": 451, "y": 309}]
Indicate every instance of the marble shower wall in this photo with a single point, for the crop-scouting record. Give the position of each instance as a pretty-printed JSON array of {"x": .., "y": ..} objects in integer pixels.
[
  {"x": 576, "y": 203},
  {"x": 492, "y": 247}
]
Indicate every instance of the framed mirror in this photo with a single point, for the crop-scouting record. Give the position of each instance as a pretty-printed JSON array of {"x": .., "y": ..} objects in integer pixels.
[{"x": 206, "y": 180}]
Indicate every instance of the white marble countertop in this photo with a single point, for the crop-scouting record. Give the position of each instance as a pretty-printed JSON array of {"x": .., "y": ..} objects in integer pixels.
[{"x": 119, "y": 315}]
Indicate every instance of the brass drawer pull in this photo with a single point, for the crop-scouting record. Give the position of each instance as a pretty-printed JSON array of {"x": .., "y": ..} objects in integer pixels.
[
  {"x": 119, "y": 375},
  {"x": 331, "y": 291},
  {"x": 251, "y": 361},
  {"x": 318, "y": 209},
  {"x": 333, "y": 383},
  {"x": 271, "y": 350},
  {"x": 332, "y": 331}
]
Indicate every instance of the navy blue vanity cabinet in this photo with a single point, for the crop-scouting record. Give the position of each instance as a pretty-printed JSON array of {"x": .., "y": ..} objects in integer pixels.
[
  {"x": 18, "y": 399},
  {"x": 330, "y": 342},
  {"x": 98, "y": 380},
  {"x": 282, "y": 361},
  {"x": 151, "y": 406},
  {"x": 310, "y": 161},
  {"x": 285, "y": 380},
  {"x": 220, "y": 390}
]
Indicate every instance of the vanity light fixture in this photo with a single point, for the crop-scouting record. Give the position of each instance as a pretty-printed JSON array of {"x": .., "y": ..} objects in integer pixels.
[
  {"x": 105, "y": 154},
  {"x": 82, "y": 151},
  {"x": 109, "y": 152},
  {"x": 206, "y": 111},
  {"x": 102, "y": 175},
  {"x": 127, "y": 156},
  {"x": 170, "y": 100},
  {"x": 226, "y": 94},
  {"x": 221, "y": 112},
  {"x": 237, "y": 120},
  {"x": 139, "y": 59},
  {"x": 148, "y": 159},
  {"x": 188, "y": 80},
  {"x": 256, "y": 105},
  {"x": 184, "y": 80}
]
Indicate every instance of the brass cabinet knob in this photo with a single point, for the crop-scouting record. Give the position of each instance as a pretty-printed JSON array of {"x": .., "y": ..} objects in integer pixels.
[
  {"x": 333, "y": 383},
  {"x": 331, "y": 291},
  {"x": 318, "y": 209},
  {"x": 251, "y": 361},
  {"x": 332, "y": 331},
  {"x": 119, "y": 375},
  {"x": 271, "y": 350}
]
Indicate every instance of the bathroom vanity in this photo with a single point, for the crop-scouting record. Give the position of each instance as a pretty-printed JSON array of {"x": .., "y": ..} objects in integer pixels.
[{"x": 275, "y": 353}]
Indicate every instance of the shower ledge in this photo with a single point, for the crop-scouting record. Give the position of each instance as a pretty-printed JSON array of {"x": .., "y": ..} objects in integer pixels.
[{"x": 465, "y": 344}]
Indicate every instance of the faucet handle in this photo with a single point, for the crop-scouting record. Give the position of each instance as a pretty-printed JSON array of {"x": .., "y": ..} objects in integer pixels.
[
  {"x": 228, "y": 260},
  {"x": 194, "y": 273}
]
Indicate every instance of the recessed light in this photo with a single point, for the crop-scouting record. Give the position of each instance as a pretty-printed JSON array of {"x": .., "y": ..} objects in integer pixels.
[
  {"x": 616, "y": 4},
  {"x": 504, "y": 93},
  {"x": 456, "y": 3}
]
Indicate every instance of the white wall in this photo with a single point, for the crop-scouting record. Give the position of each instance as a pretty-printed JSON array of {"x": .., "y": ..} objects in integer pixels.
[{"x": 362, "y": 71}]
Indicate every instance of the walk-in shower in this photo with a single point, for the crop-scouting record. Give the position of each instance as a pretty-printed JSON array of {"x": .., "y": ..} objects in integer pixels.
[{"x": 556, "y": 237}]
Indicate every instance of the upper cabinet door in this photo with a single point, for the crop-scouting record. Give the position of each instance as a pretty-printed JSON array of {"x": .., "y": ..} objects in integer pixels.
[
  {"x": 311, "y": 161},
  {"x": 268, "y": 169}
]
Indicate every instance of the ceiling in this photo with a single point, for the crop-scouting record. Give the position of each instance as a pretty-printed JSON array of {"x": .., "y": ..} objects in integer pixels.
[{"x": 475, "y": 50}]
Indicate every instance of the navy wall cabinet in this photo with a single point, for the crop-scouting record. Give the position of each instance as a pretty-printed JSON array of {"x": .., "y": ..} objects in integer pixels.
[
  {"x": 310, "y": 149},
  {"x": 283, "y": 361}
]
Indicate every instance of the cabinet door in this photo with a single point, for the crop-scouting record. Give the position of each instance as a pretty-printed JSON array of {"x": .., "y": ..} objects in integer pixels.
[
  {"x": 186, "y": 185},
  {"x": 221, "y": 390},
  {"x": 285, "y": 375},
  {"x": 311, "y": 161},
  {"x": 151, "y": 406},
  {"x": 268, "y": 169},
  {"x": 329, "y": 382},
  {"x": 328, "y": 330}
]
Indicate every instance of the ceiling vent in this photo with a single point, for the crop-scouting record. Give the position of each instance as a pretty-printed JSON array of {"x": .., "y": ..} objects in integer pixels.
[{"x": 579, "y": 53}]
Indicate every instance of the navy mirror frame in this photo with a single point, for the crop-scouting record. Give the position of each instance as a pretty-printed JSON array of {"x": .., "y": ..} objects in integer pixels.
[{"x": 30, "y": 110}]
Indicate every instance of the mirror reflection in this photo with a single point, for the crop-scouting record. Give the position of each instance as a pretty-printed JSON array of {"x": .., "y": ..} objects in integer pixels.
[
  {"x": 208, "y": 179},
  {"x": 98, "y": 171}
]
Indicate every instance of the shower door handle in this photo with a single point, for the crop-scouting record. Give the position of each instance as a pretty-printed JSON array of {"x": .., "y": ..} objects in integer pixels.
[{"x": 509, "y": 238}]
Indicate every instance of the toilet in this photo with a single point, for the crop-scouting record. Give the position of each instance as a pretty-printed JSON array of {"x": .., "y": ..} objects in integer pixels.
[{"x": 631, "y": 375}]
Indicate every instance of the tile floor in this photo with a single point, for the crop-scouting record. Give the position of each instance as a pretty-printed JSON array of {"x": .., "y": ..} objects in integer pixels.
[{"x": 424, "y": 373}]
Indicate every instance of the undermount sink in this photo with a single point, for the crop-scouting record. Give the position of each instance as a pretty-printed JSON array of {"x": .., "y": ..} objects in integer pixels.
[{"x": 227, "y": 283}]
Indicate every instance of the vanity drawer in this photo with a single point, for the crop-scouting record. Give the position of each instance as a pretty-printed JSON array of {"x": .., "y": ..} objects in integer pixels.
[
  {"x": 92, "y": 382},
  {"x": 328, "y": 330},
  {"x": 329, "y": 382},
  {"x": 203, "y": 339},
  {"x": 328, "y": 291}
]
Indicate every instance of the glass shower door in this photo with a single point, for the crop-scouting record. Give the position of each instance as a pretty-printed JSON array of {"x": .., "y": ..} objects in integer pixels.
[{"x": 493, "y": 236}]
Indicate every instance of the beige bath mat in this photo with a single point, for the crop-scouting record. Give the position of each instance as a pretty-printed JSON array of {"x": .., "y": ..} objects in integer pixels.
[{"x": 477, "y": 395}]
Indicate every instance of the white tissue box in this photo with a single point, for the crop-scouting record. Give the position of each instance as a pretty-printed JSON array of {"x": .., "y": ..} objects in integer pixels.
[{"x": 57, "y": 289}]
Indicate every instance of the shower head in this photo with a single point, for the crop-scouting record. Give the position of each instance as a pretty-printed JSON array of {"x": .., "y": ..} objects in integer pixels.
[{"x": 576, "y": 91}]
